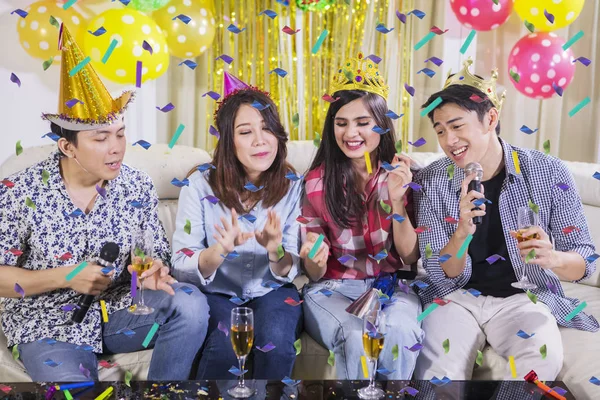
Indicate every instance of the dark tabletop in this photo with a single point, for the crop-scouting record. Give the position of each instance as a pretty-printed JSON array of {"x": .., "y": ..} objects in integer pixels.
[{"x": 476, "y": 390}]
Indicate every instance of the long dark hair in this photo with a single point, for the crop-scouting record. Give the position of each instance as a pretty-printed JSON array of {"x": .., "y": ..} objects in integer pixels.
[
  {"x": 228, "y": 178},
  {"x": 342, "y": 196}
]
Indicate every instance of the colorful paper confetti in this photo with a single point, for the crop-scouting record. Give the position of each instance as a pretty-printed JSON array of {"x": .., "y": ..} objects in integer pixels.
[
  {"x": 331, "y": 358},
  {"x": 446, "y": 345},
  {"x": 109, "y": 51},
  {"x": 524, "y": 335},
  {"x": 424, "y": 41},
  {"x": 266, "y": 348},
  {"x": 150, "y": 335},
  {"x": 234, "y": 29},
  {"x": 479, "y": 359},
  {"x": 572, "y": 41},
  {"x": 513, "y": 367},
  {"x": 468, "y": 41},
  {"x": 464, "y": 247},
  {"x": 15, "y": 79},
  {"x": 528, "y": 130},
  {"x": 98, "y": 32},
  {"x": 427, "y": 311},
  {"x": 576, "y": 311},
  {"x": 532, "y": 296},
  {"x": 579, "y": 106},
  {"x": 547, "y": 147},
  {"x": 431, "y": 106},
  {"x": 319, "y": 42},
  {"x": 298, "y": 346},
  {"x": 77, "y": 270},
  {"x": 104, "y": 311},
  {"x": 289, "y": 31},
  {"x": 269, "y": 13}
]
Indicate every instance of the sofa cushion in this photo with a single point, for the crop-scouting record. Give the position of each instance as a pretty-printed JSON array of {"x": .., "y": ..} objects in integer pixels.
[{"x": 581, "y": 350}]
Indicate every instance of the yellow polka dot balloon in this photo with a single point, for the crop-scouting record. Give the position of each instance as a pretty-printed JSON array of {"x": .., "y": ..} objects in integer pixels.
[
  {"x": 39, "y": 37},
  {"x": 564, "y": 12},
  {"x": 191, "y": 39},
  {"x": 129, "y": 28}
]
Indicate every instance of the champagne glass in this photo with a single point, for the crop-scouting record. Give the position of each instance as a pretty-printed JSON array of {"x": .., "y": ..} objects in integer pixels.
[
  {"x": 142, "y": 246},
  {"x": 242, "y": 339},
  {"x": 526, "y": 218},
  {"x": 374, "y": 326}
]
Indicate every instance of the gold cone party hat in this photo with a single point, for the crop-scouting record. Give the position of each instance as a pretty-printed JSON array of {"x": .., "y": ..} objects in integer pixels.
[{"x": 84, "y": 103}]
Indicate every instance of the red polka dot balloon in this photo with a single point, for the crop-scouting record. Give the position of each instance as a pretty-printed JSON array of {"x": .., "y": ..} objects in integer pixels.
[
  {"x": 539, "y": 60},
  {"x": 482, "y": 15}
]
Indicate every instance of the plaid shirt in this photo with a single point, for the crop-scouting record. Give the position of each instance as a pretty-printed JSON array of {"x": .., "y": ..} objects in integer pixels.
[
  {"x": 364, "y": 240},
  {"x": 537, "y": 180}
]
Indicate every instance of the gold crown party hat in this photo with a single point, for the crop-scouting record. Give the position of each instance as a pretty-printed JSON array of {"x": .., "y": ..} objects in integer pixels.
[
  {"x": 359, "y": 73},
  {"x": 84, "y": 103}
]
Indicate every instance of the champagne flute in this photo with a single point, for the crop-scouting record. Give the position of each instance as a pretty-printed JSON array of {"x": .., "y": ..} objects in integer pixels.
[
  {"x": 526, "y": 218},
  {"x": 374, "y": 326},
  {"x": 142, "y": 245},
  {"x": 242, "y": 339}
]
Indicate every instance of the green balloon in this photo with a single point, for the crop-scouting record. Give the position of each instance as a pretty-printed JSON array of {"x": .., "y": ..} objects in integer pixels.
[
  {"x": 148, "y": 5},
  {"x": 314, "y": 5}
]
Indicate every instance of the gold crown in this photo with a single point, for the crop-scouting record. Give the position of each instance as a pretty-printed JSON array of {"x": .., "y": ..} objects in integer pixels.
[
  {"x": 359, "y": 73},
  {"x": 465, "y": 77}
]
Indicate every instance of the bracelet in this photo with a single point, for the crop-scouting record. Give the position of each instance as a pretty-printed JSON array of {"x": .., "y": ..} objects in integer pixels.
[{"x": 279, "y": 259}]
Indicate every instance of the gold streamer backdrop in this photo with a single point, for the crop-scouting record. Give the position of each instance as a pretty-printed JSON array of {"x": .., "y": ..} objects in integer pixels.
[{"x": 262, "y": 47}]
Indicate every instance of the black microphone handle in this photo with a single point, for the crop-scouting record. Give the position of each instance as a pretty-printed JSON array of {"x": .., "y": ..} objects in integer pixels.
[
  {"x": 84, "y": 304},
  {"x": 476, "y": 186}
]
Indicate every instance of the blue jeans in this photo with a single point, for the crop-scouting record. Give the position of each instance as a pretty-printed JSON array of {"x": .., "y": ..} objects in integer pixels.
[
  {"x": 180, "y": 316},
  {"x": 274, "y": 321},
  {"x": 326, "y": 321}
]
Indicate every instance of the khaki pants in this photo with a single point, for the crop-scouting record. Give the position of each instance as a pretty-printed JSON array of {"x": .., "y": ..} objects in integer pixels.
[{"x": 469, "y": 321}]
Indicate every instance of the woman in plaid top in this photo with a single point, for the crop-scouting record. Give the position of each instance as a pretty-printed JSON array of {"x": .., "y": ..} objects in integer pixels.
[{"x": 361, "y": 211}]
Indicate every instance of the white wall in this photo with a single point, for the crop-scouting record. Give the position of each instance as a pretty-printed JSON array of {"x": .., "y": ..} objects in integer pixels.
[{"x": 21, "y": 108}]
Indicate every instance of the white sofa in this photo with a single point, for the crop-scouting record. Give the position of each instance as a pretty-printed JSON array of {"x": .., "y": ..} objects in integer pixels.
[{"x": 582, "y": 349}]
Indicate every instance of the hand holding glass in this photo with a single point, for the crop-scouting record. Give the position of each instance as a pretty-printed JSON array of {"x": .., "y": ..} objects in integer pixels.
[{"x": 141, "y": 260}]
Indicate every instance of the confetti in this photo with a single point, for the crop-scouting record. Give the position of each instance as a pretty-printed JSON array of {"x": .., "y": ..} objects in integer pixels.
[
  {"x": 178, "y": 132},
  {"x": 435, "y": 60},
  {"x": 532, "y": 297},
  {"x": 133, "y": 284},
  {"x": 480, "y": 202},
  {"x": 68, "y": 4},
  {"x": 290, "y": 31},
  {"x": 237, "y": 301},
  {"x": 84, "y": 371},
  {"x": 388, "y": 167},
  {"x": 214, "y": 132},
  {"x": 398, "y": 146},
  {"x": 381, "y": 28},
  {"x": 183, "y": 18},
  {"x": 345, "y": 258},
  {"x": 552, "y": 287},
  {"x": 77, "y": 270},
  {"x": 225, "y": 58},
  {"x": 524, "y": 335},
  {"x": 236, "y": 371},
  {"x": 128, "y": 376},
  {"x": 54, "y": 22},
  {"x": 223, "y": 328},
  {"x": 379, "y": 130},
  {"x": 234, "y": 29},
  {"x": 595, "y": 381},
  {"x": 473, "y": 292},
  {"x": 401, "y": 17},
  {"x": 583, "y": 60},
  {"x": 15, "y": 352},
  {"x": 572, "y": 41},
  {"x": 104, "y": 311},
  {"x": 52, "y": 136},
  {"x": 329, "y": 99},
  {"x": 492, "y": 259},
  {"x": 325, "y": 292},
  {"x": 386, "y": 207},
  {"x": 248, "y": 217},
  {"x": 71, "y": 103},
  {"x": 444, "y": 257},
  {"x": 298, "y": 346},
  {"x": 428, "y": 251},
  {"x": 188, "y": 63},
  {"x": 101, "y": 191},
  {"x": 269, "y": 13},
  {"x": 515, "y": 157},
  {"x": 415, "y": 347},
  {"x": 513, "y": 367},
  {"x": 65, "y": 257},
  {"x": 397, "y": 217},
  {"x": 205, "y": 167},
  {"x": 576, "y": 311},
  {"x": 468, "y": 41},
  {"x": 431, "y": 107},
  {"x": 365, "y": 369},
  {"x": 143, "y": 144},
  {"x": 266, "y": 348},
  {"x": 212, "y": 199},
  {"x": 259, "y": 106},
  {"x": 385, "y": 371},
  {"x": 74, "y": 214},
  {"x": 109, "y": 51},
  {"x": 451, "y": 220},
  {"x": 98, "y": 32},
  {"x": 559, "y": 91},
  {"x": 107, "y": 392},
  {"x": 477, "y": 99},
  {"x": 186, "y": 251},
  {"x": 410, "y": 390},
  {"x": 562, "y": 186},
  {"x": 530, "y": 27},
  {"x": 293, "y": 177},
  {"x": 515, "y": 76},
  {"x": 479, "y": 359},
  {"x": 178, "y": 183},
  {"x": 427, "y": 311},
  {"x": 19, "y": 290},
  {"x": 530, "y": 256},
  {"x": 15, "y": 79},
  {"x": 319, "y": 42},
  {"x": 569, "y": 229},
  {"x": 560, "y": 391},
  {"x": 440, "y": 382},
  {"x": 374, "y": 58},
  {"x": 127, "y": 332},
  {"x": 29, "y": 203},
  {"x": 438, "y": 31},
  {"x": 46, "y": 64},
  {"x": 464, "y": 247},
  {"x": 446, "y": 345},
  {"x": 146, "y": 46},
  {"x": 420, "y": 142},
  {"x": 316, "y": 246},
  {"x": 430, "y": 73},
  {"x": 392, "y": 115},
  {"x": 596, "y": 175},
  {"x": 290, "y": 382},
  {"x": 51, "y": 363},
  {"x": 368, "y": 163},
  {"x": 281, "y": 72},
  {"x": 528, "y": 130},
  {"x": 418, "y": 13},
  {"x": 5, "y": 388},
  {"x": 409, "y": 89},
  {"x": 20, "y": 13},
  {"x": 579, "y": 106},
  {"x": 151, "y": 334},
  {"x": 251, "y": 187},
  {"x": 231, "y": 256},
  {"x": 272, "y": 285},
  {"x": 186, "y": 289},
  {"x": 421, "y": 229},
  {"x": 293, "y": 302},
  {"x": 379, "y": 256},
  {"x": 296, "y": 120},
  {"x": 549, "y": 16}
]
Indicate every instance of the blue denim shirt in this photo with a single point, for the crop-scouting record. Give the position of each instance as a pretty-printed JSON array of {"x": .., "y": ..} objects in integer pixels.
[{"x": 245, "y": 275}]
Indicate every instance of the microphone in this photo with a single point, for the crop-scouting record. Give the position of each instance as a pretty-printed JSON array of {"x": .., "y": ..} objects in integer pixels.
[
  {"x": 475, "y": 184},
  {"x": 108, "y": 255}
]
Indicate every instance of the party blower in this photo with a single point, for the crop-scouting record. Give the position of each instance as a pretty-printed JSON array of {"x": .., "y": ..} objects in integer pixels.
[
  {"x": 371, "y": 299},
  {"x": 532, "y": 377}
]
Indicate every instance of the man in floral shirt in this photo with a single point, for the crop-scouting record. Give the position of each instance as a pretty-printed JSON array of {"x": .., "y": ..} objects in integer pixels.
[{"x": 59, "y": 213}]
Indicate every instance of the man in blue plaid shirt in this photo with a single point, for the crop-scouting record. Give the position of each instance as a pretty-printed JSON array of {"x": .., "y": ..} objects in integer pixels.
[{"x": 484, "y": 304}]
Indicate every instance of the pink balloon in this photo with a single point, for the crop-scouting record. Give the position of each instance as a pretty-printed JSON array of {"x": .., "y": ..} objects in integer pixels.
[
  {"x": 482, "y": 15},
  {"x": 539, "y": 60}
]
